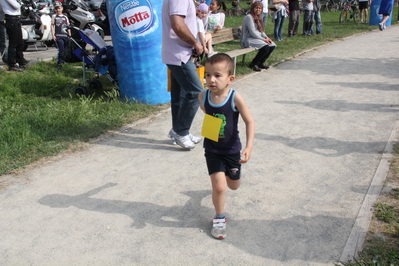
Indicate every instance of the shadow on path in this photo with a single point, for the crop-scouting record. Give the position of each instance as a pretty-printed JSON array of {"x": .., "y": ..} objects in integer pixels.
[
  {"x": 300, "y": 237},
  {"x": 344, "y": 106},
  {"x": 327, "y": 146}
]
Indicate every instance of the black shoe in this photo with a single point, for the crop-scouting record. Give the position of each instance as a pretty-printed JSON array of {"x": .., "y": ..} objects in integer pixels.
[
  {"x": 263, "y": 66},
  {"x": 15, "y": 68},
  {"x": 23, "y": 66},
  {"x": 256, "y": 68}
]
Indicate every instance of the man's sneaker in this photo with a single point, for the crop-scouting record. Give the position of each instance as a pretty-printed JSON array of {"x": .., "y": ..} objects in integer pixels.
[
  {"x": 15, "y": 68},
  {"x": 170, "y": 135},
  {"x": 381, "y": 26},
  {"x": 194, "y": 139},
  {"x": 184, "y": 141},
  {"x": 219, "y": 228},
  {"x": 23, "y": 66}
]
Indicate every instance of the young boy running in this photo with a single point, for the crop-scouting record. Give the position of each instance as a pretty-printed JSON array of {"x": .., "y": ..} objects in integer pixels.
[
  {"x": 59, "y": 22},
  {"x": 224, "y": 158}
]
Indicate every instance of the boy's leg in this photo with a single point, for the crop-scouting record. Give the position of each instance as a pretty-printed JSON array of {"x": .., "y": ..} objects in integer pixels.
[
  {"x": 220, "y": 182},
  {"x": 208, "y": 40},
  {"x": 233, "y": 184},
  {"x": 60, "y": 45},
  {"x": 219, "y": 186},
  {"x": 61, "y": 48}
]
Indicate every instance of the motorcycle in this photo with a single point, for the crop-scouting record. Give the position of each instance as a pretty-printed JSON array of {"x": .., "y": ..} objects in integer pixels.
[
  {"x": 99, "y": 9},
  {"x": 36, "y": 24},
  {"x": 81, "y": 18}
]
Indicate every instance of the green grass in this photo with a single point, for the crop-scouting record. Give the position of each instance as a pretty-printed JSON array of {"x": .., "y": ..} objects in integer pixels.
[{"x": 41, "y": 116}]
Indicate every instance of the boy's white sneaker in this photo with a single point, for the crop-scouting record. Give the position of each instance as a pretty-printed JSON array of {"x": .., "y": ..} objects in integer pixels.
[{"x": 219, "y": 228}]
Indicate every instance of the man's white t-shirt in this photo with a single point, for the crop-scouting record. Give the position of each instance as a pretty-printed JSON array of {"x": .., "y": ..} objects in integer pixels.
[{"x": 174, "y": 50}]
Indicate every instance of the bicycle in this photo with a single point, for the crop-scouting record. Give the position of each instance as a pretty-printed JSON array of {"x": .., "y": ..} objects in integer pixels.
[
  {"x": 236, "y": 10},
  {"x": 331, "y": 6},
  {"x": 350, "y": 8}
]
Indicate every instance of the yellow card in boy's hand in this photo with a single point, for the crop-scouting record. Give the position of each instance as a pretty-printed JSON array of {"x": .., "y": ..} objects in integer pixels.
[{"x": 211, "y": 127}]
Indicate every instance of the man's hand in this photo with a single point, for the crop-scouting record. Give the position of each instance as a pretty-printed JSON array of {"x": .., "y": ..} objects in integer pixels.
[
  {"x": 181, "y": 30},
  {"x": 198, "y": 48}
]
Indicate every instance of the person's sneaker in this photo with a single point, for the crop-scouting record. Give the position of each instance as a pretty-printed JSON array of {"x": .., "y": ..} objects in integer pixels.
[
  {"x": 219, "y": 228},
  {"x": 194, "y": 139},
  {"x": 381, "y": 26},
  {"x": 170, "y": 135},
  {"x": 384, "y": 28},
  {"x": 184, "y": 141},
  {"x": 15, "y": 68},
  {"x": 23, "y": 66}
]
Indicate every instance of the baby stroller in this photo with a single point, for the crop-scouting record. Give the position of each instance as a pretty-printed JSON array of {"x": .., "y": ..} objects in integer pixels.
[{"x": 101, "y": 61}]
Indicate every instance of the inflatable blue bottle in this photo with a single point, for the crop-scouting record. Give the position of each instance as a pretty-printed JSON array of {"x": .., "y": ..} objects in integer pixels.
[{"x": 136, "y": 30}]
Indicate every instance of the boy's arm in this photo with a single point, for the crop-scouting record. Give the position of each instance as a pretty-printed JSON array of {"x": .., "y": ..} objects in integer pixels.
[
  {"x": 250, "y": 126},
  {"x": 67, "y": 22},
  {"x": 53, "y": 29},
  {"x": 200, "y": 98}
]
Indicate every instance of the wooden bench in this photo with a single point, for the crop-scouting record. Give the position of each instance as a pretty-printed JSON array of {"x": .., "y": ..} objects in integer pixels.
[{"x": 230, "y": 34}]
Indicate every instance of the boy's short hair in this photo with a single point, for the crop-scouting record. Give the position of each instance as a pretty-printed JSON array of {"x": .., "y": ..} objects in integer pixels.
[{"x": 219, "y": 58}]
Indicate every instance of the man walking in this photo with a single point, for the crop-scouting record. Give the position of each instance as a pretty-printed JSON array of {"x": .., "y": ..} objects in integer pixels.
[
  {"x": 317, "y": 15},
  {"x": 2, "y": 36},
  {"x": 179, "y": 29},
  {"x": 12, "y": 13}
]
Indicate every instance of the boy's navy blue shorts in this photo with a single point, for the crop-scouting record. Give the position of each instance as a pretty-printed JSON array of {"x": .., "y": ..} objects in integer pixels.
[{"x": 227, "y": 163}]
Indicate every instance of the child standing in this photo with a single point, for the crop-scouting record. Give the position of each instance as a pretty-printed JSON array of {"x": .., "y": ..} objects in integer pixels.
[
  {"x": 216, "y": 18},
  {"x": 205, "y": 38},
  {"x": 223, "y": 158},
  {"x": 59, "y": 23}
]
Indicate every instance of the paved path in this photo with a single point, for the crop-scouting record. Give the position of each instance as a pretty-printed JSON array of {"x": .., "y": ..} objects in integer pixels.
[{"x": 325, "y": 124}]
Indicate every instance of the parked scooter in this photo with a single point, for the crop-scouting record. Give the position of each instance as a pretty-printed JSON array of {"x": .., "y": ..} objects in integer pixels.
[
  {"x": 99, "y": 9},
  {"x": 81, "y": 18},
  {"x": 36, "y": 24}
]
